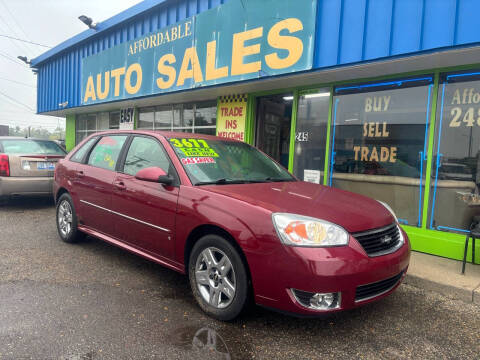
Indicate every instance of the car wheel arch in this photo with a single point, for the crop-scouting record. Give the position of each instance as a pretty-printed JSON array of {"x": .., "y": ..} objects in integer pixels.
[
  {"x": 208, "y": 229},
  {"x": 60, "y": 192}
]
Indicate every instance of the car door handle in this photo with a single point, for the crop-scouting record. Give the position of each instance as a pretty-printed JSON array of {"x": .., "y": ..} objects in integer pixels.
[
  {"x": 119, "y": 185},
  {"x": 80, "y": 173}
]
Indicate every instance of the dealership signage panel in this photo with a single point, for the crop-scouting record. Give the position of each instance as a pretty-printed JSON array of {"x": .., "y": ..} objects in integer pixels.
[
  {"x": 127, "y": 119},
  {"x": 239, "y": 40},
  {"x": 232, "y": 115}
]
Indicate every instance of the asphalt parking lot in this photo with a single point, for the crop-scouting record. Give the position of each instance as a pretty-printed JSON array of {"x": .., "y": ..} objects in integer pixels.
[{"x": 94, "y": 301}]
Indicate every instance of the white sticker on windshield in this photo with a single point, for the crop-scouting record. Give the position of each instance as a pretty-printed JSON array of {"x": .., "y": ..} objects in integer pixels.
[{"x": 312, "y": 176}]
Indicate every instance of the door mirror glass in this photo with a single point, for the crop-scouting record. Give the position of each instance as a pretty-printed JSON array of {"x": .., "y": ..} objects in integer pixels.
[{"x": 154, "y": 174}]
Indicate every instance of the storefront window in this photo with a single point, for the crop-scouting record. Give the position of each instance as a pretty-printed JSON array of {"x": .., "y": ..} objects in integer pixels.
[
  {"x": 91, "y": 122},
  {"x": 206, "y": 131},
  {"x": 146, "y": 118},
  {"x": 103, "y": 122},
  {"x": 163, "y": 117},
  {"x": 88, "y": 124},
  {"x": 455, "y": 196},
  {"x": 114, "y": 120},
  {"x": 177, "y": 116},
  {"x": 194, "y": 117},
  {"x": 188, "y": 114},
  {"x": 206, "y": 114},
  {"x": 311, "y": 136},
  {"x": 380, "y": 134}
]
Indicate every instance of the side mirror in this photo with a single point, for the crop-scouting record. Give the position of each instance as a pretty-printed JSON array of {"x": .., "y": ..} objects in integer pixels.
[{"x": 154, "y": 174}]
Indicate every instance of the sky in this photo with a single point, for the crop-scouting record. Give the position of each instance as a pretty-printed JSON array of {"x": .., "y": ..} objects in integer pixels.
[{"x": 47, "y": 22}]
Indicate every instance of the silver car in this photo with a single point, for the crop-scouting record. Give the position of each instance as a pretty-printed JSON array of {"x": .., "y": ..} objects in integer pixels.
[{"x": 27, "y": 166}]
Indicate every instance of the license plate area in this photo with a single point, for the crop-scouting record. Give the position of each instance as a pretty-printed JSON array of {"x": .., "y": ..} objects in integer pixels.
[{"x": 45, "y": 165}]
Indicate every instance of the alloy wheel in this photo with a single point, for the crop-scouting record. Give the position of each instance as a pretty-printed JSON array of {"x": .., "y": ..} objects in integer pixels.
[
  {"x": 65, "y": 218},
  {"x": 215, "y": 277}
]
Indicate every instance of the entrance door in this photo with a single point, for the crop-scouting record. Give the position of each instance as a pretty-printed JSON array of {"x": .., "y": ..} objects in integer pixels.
[{"x": 274, "y": 117}]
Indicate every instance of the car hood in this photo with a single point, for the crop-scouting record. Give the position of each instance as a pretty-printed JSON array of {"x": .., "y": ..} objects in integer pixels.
[{"x": 353, "y": 212}]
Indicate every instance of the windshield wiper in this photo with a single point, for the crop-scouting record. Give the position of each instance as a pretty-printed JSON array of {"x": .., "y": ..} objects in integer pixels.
[
  {"x": 272, "y": 179},
  {"x": 221, "y": 182},
  {"x": 231, "y": 181}
]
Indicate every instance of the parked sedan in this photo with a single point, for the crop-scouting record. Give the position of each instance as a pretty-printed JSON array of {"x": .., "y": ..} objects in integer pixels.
[
  {"x": 232, "y": 219},
  {"x": 27, "y": 166}
]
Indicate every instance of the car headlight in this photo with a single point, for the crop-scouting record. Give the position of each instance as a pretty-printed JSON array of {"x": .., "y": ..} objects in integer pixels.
[
  {"x": 298, "y": 230},
  {"x": 389, "y": 209}
]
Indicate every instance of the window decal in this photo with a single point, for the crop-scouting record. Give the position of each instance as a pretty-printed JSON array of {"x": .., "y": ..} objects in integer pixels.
[
  {"x": 194, "y": 147},
  {"x": 198, "y": 160}
]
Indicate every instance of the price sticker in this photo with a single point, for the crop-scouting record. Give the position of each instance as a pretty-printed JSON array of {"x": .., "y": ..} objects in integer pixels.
[{"x": 193, "y": 147}]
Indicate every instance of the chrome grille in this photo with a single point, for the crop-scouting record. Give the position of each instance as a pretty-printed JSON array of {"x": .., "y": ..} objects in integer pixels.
[{"x": 380, "y": 241}]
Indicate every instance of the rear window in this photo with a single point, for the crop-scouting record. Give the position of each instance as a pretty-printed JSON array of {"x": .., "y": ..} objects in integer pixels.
[{"x": 31, "y": 147}]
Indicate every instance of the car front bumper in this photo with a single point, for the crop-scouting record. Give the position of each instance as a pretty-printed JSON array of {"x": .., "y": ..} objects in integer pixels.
[
  {"x": 10, "y": 186},
  {"x": 328, "y": 270}
]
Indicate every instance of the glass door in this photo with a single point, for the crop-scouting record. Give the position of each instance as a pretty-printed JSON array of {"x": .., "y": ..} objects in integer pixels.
[{"x": 274, "y": 117}]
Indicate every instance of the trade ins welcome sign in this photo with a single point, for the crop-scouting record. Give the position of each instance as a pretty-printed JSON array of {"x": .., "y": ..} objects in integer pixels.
[{"x": 239, "y": 40}]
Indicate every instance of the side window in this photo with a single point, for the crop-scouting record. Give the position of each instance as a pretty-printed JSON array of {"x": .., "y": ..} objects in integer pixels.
[
  {"x": 143, "y": 153},
  {"x": 105, "y": 154},
  {"x": 80, "y": 153}
]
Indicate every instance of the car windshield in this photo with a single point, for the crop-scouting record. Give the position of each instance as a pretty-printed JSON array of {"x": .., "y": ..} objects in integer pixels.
[
  {"x": 221, "y": 162},
  {"x": 29, "y": 146}
]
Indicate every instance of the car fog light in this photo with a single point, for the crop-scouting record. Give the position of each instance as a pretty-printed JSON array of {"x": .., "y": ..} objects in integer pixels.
[
  {"x": 317, "y": 301},
  {"x": 322, "y": 301}
]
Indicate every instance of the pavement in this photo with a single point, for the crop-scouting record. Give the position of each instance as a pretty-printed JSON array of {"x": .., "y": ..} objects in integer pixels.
[
  {"x": 445, "y": 277},
  {"x": 92, "y": 300}
]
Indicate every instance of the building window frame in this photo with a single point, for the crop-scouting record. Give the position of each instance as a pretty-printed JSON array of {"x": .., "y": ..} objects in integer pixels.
[
  {"x": 87, "y": 132},
  {"x": 180, "y": 108}
]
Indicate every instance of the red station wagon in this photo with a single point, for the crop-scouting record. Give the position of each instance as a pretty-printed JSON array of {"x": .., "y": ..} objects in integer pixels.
[{"x": 232, "y": 219}]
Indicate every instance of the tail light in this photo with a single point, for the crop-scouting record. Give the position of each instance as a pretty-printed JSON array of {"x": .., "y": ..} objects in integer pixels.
[{"x": 4, "y": 165}]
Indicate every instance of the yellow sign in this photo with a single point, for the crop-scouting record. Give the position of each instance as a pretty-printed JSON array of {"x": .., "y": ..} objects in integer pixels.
[
  {"x": 194, "y": 147},
  {"x": 232, "y": 114}
]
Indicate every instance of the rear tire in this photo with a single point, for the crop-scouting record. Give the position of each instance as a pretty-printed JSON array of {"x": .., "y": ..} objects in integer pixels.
[
  {"x": 218, "y": 278},
  {"x": 66, "y": 219}
]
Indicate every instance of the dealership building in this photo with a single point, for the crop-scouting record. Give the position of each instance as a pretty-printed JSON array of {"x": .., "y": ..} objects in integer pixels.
[{"x": 378, "y": 97}]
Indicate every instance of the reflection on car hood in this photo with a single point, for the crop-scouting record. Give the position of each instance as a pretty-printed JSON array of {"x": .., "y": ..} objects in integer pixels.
[{"x": 351, "y": 211}]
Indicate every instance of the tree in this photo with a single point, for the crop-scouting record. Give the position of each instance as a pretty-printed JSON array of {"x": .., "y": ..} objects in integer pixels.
[
  {"x": 15, "y": 131},
  {"x": 40, "y": 133}
]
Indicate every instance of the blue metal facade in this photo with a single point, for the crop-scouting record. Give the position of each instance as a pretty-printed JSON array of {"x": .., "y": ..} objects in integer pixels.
[
  {"x": 351, "y": 31},
  {"x": 59, "y": 70},
  {"x": 347, "y": 31}
]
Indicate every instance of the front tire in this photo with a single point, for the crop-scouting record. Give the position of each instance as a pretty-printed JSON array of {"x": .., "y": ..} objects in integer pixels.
[
  {"x": 67, "y": 225},
  {"x": 218, "y": 278}
]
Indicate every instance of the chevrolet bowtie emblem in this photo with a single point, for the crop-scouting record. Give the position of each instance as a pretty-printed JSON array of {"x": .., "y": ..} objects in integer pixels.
[{"x": 386, "y": 239}]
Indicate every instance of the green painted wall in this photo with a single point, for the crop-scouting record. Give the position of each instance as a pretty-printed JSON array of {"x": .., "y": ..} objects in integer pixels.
[
  {"x": 441, "y": 243},
  {"x": 70, "y": 132}
]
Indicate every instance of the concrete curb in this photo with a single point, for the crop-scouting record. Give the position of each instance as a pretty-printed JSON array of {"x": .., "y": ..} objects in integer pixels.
[
  {"x": 476, "y": 295},
  {"x": 444, "y": 276}
]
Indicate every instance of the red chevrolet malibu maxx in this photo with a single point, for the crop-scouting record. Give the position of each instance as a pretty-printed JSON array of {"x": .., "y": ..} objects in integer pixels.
[{"x": 232, "y": 219}]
